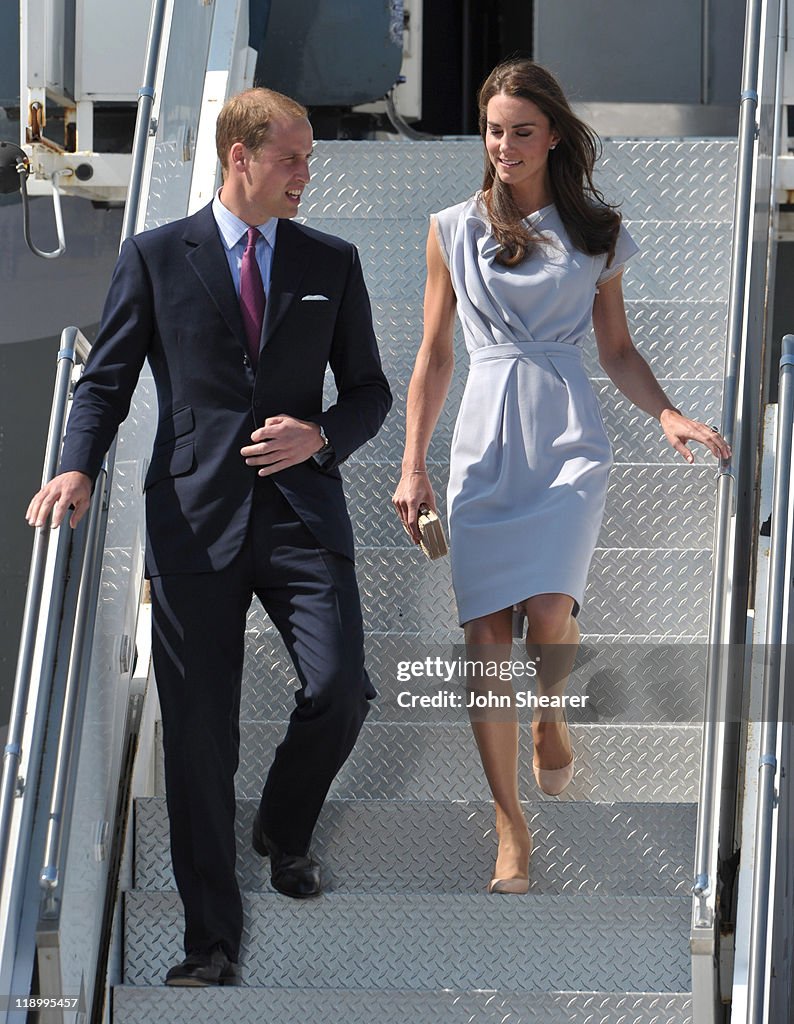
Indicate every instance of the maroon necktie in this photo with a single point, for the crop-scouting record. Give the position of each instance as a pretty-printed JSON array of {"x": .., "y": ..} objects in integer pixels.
[{"x": 252, "y": 297}]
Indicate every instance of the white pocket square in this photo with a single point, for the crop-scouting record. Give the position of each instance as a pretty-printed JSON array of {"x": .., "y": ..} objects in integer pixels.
[{"x": 315, "y": 298}]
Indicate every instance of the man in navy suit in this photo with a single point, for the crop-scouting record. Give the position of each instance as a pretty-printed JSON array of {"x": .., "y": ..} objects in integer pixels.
[{"x": 239, "y": 311}]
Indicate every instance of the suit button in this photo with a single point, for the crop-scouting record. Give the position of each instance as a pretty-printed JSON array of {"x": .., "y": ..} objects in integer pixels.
[{"x": 246, "y": 362}]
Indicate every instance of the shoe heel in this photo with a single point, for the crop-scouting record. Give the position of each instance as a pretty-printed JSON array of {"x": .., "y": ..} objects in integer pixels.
[
  {"x": 554, "y": 781},
  {"x": 508, "y": 886}
]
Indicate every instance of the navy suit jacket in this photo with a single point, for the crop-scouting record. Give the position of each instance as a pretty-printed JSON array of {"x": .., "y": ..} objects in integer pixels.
[{"x": 172, "y": 300}]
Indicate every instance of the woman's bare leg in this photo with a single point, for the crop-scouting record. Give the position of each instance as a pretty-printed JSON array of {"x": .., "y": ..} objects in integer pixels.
[
  {"x": 552, "y": 638},
  {"x": 496, "y": 733}
]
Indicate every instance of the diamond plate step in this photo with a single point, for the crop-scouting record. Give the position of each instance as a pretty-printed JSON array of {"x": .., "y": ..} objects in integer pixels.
[
  {"x": 429, "y": 846},
  {"x": 689, "y": 179},
  {"x": 392, "y": 256},
  {"x": 420, "y": 942},
  {"x": 647, "y": 506},
  {"x": 141, "y": 1005},
  {"x": 625, "y": 764},
  {"x": 631, "y": 591},
  {"x": 634, "y": 436},
  {"x": 683, "y": 339},
  {"x": 618, "y": 682}
]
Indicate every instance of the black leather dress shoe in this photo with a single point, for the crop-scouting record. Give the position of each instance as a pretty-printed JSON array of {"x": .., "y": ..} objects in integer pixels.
[
  {"x": 290, "y": 874},
  {"x": 199, "y": 970}
]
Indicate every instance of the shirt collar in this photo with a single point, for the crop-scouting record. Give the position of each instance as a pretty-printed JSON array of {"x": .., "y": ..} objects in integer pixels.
[{"x": 233, "y": 229}]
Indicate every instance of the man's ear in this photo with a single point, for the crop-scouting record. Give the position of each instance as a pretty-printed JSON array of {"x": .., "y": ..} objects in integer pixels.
[{"x": 237, "y": 155}]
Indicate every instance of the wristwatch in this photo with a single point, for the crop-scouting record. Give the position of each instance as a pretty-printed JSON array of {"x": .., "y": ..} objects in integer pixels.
[{"x": 325, "y": 454}]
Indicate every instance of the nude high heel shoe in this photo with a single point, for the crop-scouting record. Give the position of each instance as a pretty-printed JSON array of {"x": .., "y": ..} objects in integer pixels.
[
  {"x": 554, "y": 781},
  {"x": 510, "y": 886}
]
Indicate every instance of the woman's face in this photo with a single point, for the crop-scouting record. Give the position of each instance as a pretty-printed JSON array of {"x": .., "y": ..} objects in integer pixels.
[{"x": 518, "y": 138}]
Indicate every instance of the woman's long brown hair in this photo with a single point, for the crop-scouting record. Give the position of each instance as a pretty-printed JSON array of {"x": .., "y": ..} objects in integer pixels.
[{"x": 592, "y": 223}]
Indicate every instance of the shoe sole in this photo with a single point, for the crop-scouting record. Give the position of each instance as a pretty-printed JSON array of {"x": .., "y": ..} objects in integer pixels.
[
  {"x": 199, "y": 983},
  {"x": 297, "y": 895}
]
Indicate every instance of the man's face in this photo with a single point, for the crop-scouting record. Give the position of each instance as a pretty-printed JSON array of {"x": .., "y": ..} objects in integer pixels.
[{"x": 277, "y": 174}]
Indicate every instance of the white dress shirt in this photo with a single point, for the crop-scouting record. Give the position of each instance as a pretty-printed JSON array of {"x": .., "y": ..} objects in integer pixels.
[{"x": 234, "y": 235}]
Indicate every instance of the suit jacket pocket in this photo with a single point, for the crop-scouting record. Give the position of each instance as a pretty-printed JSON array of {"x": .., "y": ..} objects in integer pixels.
[
  {"x": 174, "y": 461},
  {"x": 179, "y": 423}
]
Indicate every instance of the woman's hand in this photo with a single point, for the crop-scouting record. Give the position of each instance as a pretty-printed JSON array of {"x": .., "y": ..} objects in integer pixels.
[
  {"x": 678, "y": 429},
  {"x": 413, "y": 491}
]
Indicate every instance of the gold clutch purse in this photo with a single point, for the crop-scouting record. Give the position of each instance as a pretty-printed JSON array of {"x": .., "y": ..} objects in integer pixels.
[{"x": 433, "y": 542}]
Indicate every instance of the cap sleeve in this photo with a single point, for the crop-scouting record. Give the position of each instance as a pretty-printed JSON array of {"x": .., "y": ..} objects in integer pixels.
[
  {"x": 625, "y": 248},
  {"x": 438, "y": 230}
]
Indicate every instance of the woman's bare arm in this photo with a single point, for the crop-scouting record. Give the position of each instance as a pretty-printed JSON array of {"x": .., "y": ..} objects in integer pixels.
[
  {"x": 630, "y": 373},
  {"x": 428, "y": 389}
]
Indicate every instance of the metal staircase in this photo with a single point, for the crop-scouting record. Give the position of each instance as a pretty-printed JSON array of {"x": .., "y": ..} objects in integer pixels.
[{"x": 404, "y": 929}]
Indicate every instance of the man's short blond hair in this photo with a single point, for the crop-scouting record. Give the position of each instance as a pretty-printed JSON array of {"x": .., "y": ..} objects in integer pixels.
[{"x": 247, "y": 118}]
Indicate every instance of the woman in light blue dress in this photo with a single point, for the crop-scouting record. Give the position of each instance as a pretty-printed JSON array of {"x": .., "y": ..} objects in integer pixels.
[{"x": 528, "y": 263}]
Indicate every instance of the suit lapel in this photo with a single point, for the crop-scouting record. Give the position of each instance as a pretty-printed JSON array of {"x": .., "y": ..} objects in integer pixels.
[
  {"x": 207, "y": 258},
  {"x": 289, "y": 264}
]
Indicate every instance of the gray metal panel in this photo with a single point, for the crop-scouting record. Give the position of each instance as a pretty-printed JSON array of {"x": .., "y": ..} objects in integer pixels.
[
  {"x": 330, "y": 54},
  {"x": 680, "y": 260},
  {"x": 622, "y": 50},
  {"x": 439, "y": 762},
  {"x": 650, "y": 681},
  {"x": 81, "y": 888},
  {"x": 647, "y": 506},
  {"x": 666, "y": 180},
  {"x": 430, "y": 846},
  {"x": 401, "y": 591},
  {"x": 298, "y": 1006},
  {"x": 635, "y": 436},
  {"x": 180, "y": 107},
  {"x": 429, "y": 942},
  {"x": 681, "y": 339},
  {"x": 630, "y": 591}
]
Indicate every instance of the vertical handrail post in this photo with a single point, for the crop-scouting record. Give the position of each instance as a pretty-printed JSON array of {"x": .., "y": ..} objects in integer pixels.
[{"x": 773, "y": 666}]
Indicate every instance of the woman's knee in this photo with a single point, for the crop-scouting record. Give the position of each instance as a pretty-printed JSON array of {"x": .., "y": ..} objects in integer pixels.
[
  {"x": 548, "y": 618},
  {"x": 489, "y": 631}
]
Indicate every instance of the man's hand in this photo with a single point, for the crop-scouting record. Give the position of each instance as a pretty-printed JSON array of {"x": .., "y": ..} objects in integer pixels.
[
  {"x": 281, "y": 442},
  {"x": 63, "y": 492}
]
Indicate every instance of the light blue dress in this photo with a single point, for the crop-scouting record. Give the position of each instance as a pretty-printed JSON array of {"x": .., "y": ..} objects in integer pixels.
[{"x": 530, "y": 459}]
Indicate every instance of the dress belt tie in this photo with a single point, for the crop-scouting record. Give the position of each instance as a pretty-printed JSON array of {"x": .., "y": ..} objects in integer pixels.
[{"x": 526, "y": 350}]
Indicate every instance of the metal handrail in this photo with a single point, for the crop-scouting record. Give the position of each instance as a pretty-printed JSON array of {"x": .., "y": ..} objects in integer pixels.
[
  {"x": 773, "y": 668},
  {"x": 73, "y": 348},
  {"x": 143, "y": 123},
  {"x": 49, "y": 875},
  {"x": 716, "y": 677},
  {"x": 89, "y": 569}
]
